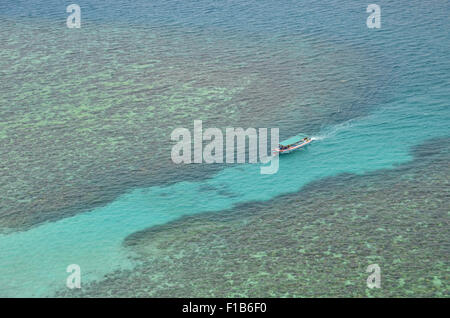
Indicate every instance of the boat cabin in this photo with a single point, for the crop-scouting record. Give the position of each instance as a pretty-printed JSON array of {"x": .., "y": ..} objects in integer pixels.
[{"x": 293, "y": 141}]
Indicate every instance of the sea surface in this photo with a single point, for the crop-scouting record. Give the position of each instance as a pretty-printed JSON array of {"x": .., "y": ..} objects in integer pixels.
[{"x": 85, "y": 170}]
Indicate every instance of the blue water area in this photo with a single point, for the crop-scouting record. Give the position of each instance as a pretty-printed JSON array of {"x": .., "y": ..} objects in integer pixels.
[
  {"x": 414, "y": 43},
  {"x": 36, "y": 259}
]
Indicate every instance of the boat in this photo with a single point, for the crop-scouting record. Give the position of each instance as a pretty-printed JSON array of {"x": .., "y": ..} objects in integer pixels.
[{"x": 293, "y": 143}]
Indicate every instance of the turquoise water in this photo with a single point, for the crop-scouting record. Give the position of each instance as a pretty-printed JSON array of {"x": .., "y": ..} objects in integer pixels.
[
  {"x": 93, "y": 240},
  {"x": 412, "y": 109}
]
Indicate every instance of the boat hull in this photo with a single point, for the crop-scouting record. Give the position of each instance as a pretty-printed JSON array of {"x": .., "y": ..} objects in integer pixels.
[{"x": 293, "y": 148}]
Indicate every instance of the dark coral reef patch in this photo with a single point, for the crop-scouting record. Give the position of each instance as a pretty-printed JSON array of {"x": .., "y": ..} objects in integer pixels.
[{"x": 86, "y": 116}]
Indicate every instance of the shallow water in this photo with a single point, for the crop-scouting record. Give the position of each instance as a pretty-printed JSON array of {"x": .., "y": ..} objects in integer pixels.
[
  {"x": 320, "y": 243},
  {"x": 367, "y": 96},
  {"x": 83, "y": 105}
]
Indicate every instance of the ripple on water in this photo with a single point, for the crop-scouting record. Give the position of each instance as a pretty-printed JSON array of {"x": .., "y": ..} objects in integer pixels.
[{"x": 94, "y": 109}]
